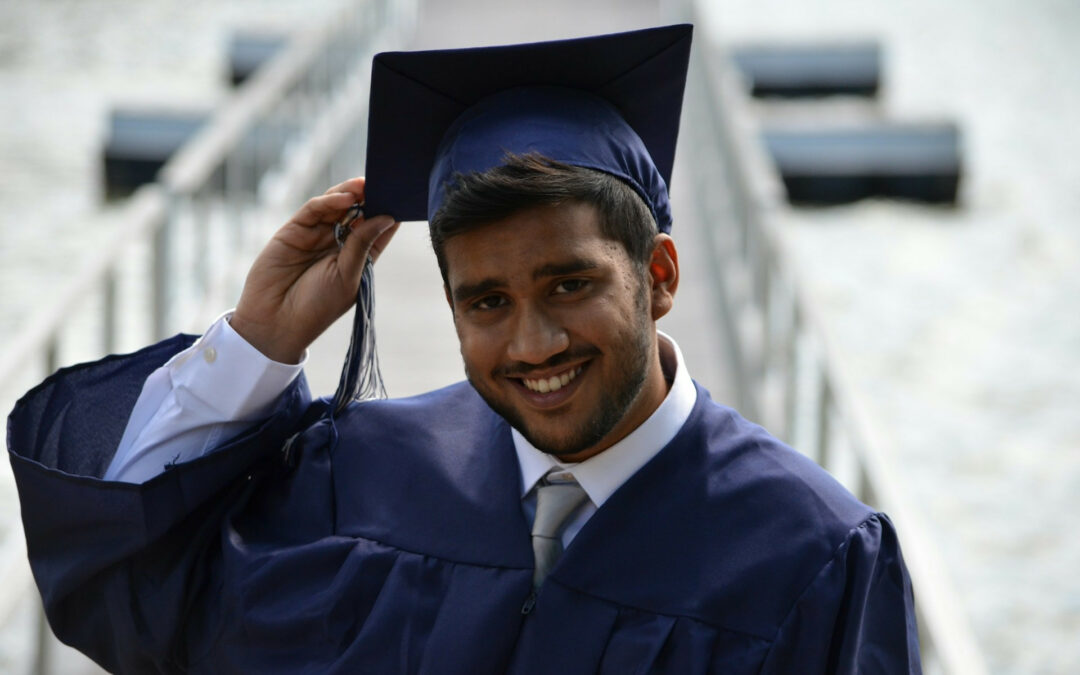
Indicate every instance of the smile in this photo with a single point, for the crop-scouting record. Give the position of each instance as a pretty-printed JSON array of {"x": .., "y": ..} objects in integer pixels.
[{"x": 553, "y": 383}]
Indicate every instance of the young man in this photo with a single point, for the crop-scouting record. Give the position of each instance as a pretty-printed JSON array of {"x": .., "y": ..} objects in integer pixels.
[{"x": 577, "y": 506}]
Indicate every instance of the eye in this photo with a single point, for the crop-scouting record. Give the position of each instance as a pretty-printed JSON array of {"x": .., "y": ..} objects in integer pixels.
[
  {"x": 570, "y": 286},
  {"x": 489, "y": 302}
]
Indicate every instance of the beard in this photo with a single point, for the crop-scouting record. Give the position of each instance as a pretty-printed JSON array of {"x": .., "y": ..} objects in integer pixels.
[{"x": 629, "y": 356}]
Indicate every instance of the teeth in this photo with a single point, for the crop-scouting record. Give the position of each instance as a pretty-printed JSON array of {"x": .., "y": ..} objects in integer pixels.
[{"x": 553, "y": 383}]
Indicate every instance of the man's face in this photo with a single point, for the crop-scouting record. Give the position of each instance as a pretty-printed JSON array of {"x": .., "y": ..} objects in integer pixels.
[{"x": 556, "y": 328}]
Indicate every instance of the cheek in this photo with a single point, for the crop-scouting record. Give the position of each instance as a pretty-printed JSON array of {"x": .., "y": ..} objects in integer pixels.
[
  {"x": 477, "y": 346},
  {"x": 608, "y": 310},
  {"x": 614, "y": 316}
]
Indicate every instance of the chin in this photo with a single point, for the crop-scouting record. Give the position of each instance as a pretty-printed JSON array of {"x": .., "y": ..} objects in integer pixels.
[
  {"x": 560, "y": 446},
  {"x": 608, "y": 413}
]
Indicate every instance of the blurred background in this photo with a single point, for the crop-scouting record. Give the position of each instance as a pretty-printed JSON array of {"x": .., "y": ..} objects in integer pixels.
[{"x": 876, "y": 206}]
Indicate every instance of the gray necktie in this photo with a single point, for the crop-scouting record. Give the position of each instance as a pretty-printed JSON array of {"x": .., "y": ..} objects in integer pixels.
[{"x": 556, "y": 501}]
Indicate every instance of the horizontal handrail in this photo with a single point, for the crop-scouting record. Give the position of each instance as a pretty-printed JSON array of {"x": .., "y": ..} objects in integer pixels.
[
  {"x": 767, "y": 263},
  {"x": 144, "y": 213},
  {"x": 186, "y": 173},
  {"x": 196, "y": 161},
  {"x": 309, "y": 86}
]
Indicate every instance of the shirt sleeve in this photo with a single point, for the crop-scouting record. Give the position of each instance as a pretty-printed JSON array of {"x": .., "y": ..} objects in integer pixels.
[{"x": 199, "y": 398}]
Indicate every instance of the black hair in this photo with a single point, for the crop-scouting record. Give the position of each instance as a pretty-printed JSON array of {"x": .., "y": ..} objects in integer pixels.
[{"x": 532, "y": 180}]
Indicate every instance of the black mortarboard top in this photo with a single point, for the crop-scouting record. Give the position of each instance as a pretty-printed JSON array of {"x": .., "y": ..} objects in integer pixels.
[{"x": 610, "y": 102}]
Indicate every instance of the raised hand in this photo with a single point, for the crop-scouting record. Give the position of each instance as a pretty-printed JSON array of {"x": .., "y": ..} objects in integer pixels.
[{"x": 301, "y": 282}]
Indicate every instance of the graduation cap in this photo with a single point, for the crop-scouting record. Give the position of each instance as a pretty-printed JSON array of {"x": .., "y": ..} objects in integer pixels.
[{"x": 610, "y": 102}]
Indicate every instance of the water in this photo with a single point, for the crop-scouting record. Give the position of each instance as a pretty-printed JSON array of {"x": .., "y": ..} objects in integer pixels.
[{"x": 961, "y": 325}]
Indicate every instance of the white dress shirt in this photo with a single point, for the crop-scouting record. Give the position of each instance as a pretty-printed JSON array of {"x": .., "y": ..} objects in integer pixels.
[{"x": 221, "y": 384}]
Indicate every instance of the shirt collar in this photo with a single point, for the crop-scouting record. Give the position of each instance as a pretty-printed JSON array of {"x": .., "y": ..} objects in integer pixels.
[{"x": 602, "y": 474}]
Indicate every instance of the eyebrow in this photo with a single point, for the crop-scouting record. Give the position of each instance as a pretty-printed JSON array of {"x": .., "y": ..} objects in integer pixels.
[
  {"x": 472, "y": 290},
  {"x": 462, "y": 291},
  {"x": 560, "y": 269}
]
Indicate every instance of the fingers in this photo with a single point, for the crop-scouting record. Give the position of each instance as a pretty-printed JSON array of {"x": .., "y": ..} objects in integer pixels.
[
  {"x": 382, "y": 241},
  {"x": 354, "y": 186},
  {"x": 368, "y": 237},
  {"x": 331, "y": 206},
  {"x": 328, "y": 208}
]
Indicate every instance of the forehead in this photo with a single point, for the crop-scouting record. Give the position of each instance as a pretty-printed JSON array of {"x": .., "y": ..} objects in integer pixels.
[{"x": 529, "y": 240}]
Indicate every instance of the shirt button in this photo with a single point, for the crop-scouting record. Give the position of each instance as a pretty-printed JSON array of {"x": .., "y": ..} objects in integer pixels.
[{"x": 209, "y": 355}]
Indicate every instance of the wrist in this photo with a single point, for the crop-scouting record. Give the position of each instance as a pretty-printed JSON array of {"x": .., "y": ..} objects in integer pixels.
[{"x": 268, "y": 341}]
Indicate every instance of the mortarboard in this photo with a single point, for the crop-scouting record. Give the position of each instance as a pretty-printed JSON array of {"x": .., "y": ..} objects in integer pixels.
[{"x": 610, "y": 102}]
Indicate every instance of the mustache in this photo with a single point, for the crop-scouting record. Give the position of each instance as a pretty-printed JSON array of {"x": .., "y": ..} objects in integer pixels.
[{"x": 520, "y": 369}]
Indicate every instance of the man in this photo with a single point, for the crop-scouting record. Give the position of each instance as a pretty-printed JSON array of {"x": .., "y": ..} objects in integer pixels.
[{"x": 578, "y": 506}]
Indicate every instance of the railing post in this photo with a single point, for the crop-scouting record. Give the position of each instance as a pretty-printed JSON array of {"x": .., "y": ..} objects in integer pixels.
[
  {"x": 824, "y": 405},
  {"x": 52, "y": 354},
  {"x": 109, "y": 318},
  {"x": 162, "y": 269},
  {"x": 791, "y": 361},
  {"x": 232, "y": 190},
  {"x": 41, "y": 646},
  {"x": 765, "y": 289},
  {"x": 869, "y": 495},
  {"x": 199, "y": 213}
]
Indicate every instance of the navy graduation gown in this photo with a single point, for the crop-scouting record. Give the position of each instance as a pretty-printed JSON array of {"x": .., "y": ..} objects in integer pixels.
[{"x": 393, "y": 541}]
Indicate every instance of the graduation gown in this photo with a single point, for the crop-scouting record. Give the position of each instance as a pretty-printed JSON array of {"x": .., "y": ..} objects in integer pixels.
[{"x": 392, "y": 540}]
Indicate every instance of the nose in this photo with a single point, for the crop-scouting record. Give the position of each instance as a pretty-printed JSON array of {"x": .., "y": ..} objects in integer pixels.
[{"x": 537, "y": 337}]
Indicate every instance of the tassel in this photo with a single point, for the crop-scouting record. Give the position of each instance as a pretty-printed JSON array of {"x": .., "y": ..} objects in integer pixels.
[{"x": 361, "y": 379}]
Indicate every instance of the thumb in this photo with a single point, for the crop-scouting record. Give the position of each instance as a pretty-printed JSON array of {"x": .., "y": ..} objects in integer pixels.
[{"x": 359, "y": 244}]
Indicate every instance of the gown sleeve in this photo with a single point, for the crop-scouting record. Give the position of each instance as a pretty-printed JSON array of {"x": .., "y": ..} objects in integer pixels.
[
  {"x": 127, "y": 571},
  {"x": 202, "y": 396},
  {"x": 856, "y": 616}
]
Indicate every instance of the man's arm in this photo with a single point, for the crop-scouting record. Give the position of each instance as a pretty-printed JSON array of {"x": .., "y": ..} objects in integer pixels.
[
  {"x": 124, "y": 569},
  {"x": 299, "y": 285},
  {"x": 201, "y": 397}
]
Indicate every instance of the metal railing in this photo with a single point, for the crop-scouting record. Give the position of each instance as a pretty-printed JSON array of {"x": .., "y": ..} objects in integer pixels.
[
  {"x": 296, "y": 124},
  {"x": 788, "y": 375}
]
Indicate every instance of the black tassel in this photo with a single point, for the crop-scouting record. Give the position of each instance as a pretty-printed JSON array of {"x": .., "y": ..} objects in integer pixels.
[{"x": 361, "y": 379}]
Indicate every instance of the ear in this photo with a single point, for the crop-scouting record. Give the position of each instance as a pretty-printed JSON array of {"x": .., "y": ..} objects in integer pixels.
[{"x": 663, "y": 275}]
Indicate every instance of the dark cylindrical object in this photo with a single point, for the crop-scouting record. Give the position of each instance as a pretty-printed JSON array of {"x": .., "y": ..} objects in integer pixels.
[{"x": 846, "y": 163}]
